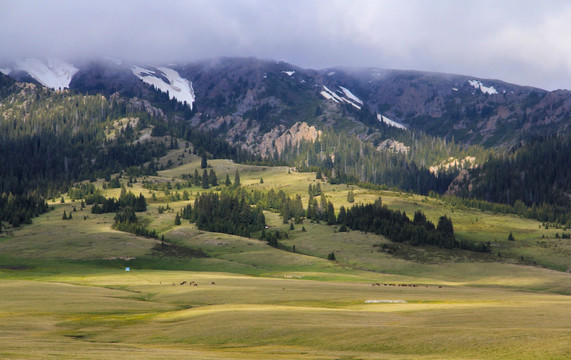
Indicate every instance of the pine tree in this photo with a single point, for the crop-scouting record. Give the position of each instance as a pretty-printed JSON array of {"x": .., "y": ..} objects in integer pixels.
[
  {"x": 236, "y": 179},
  {"x": 351, "y": 196},
  {"x": 331, "y": 256},
  {"x": 177, "y": 219},
  {"x": 227, "y": 182},
  {"x": 511, "y": 237},
  {"x": 213, "y": 178},
  {"x": 64, "y": 217},
  {"x": 140, "y": 203},
  {"x": 204, "y": 162},
  {"x": 196, "y": 178},
  {"x": 205, "y": 180},
  {"x": 445, "y": 226}
]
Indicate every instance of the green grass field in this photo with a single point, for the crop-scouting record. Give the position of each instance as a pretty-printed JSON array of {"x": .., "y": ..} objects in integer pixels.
[{"x": 65, "y": 294}]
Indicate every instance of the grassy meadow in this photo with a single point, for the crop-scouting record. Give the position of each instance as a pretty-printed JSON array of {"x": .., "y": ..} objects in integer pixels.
[{"x": 65, "y": 294}]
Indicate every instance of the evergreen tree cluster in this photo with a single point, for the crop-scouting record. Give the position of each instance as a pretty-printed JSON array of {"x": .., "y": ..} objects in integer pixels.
[
  {"x": 126, "y": 220},
  {"x": 126, "y": 200},
  {"x": 19, "y": 209},
  {"x": 226, "y": 213},
  {"x": 272, "y": 237},
  {"x": 397, "y": 227},
  {"x": 276, "y": 201},
  {"x": 321, "y": 211},
  {"x": 314, "y": 190},
  {"x": 81, "y": 191}
]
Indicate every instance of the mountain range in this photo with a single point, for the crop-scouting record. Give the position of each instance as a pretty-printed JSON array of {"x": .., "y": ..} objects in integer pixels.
[{"x": 276, "y": 95}]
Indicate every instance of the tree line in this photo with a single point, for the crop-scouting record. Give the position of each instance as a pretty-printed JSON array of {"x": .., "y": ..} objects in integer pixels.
[{"x": 397, "y": 227}]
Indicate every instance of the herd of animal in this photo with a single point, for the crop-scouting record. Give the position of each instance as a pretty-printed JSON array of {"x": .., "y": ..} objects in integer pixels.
[
  {"x": 403, "y": 285},
  {"x": 193, "y": 283},
  {"x": 190, "y": 283}
]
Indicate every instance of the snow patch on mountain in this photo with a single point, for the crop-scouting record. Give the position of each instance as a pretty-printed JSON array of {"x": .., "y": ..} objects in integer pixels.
[
  {"x": 350, "y": 95},
  {"x": 54, "y": 73},
  {"x": 485, "y": 89},
  {"x": 339, "y": 97},
  {"x": 330, "y": 95},
  {"x": 289, "y": 73},
  {"x": 176, "y": 86},
  {"x": 390, "y": 122},
  {"x": 5, "y": 71}
]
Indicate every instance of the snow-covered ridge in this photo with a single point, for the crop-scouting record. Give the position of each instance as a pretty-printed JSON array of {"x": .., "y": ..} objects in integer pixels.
[
  {"x": 485, "y": 89},
  {"x": 176, "y": 86},
  {"x": 390, "y": 122},
  {"x": 54, "y": 73},
  {"x": 344, "y": 96},
  {"x": 5, "y": 71}
]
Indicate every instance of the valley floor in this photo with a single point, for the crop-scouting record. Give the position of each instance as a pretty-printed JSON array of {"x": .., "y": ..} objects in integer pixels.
[
  {"x": 110, "y": 313},
  {"x": 65, "y": 292}
]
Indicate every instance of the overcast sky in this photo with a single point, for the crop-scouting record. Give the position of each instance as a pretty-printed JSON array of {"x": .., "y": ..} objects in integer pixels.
[{"x": 524, "y": 42}]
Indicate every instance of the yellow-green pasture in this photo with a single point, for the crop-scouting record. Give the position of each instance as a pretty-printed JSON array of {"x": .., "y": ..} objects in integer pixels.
[
  {"x": 85, "y": 236},
  {"x": 139, "y": 314}
]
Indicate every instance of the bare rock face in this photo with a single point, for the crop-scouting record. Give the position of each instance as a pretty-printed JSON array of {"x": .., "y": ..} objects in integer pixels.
[
  {"x": 467, "y": 163},
  {"x": 393, "y": 146},
  {"x": 144, "y": 105},
  {"x": 273, "y": 141}
]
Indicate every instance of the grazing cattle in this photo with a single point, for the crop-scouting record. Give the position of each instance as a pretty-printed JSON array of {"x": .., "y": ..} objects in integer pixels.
[
  {"x": 182, "y": 283},
  {"x": 213, "y": 283},
  {"x": 195, "y": 284},
  {"x": 440, "y": 287}
]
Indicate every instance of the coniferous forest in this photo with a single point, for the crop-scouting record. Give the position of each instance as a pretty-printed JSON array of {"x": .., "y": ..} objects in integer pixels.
[{"x": 67, "y": 137}]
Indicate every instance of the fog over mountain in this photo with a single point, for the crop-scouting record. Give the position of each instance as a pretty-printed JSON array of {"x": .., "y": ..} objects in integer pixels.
[{"x": 522, "y": 42}]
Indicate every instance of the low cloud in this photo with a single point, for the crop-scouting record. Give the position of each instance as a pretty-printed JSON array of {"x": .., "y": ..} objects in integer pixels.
[{"x": 517, "y": 41}]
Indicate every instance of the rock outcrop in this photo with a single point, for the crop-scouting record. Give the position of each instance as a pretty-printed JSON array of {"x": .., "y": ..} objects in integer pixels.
[{"x": 393, "y": 146}]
